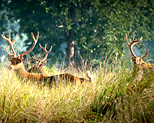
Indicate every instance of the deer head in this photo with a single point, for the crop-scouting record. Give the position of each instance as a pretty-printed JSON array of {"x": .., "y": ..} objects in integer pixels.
[
  {"x": 17, "y": 59},
  {"x": 137, "y": 60},
  {"x": 38, "y": 68}
]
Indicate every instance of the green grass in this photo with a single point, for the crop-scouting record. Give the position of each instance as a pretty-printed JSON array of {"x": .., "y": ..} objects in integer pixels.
[{"x": 115, "y": 96}]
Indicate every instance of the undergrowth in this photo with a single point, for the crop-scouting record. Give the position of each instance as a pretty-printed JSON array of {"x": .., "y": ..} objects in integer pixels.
[{"x": 114, "y": 96}]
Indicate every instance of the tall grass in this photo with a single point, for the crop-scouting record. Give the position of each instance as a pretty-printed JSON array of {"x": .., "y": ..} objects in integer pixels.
[{"x": 114, "y": 96}]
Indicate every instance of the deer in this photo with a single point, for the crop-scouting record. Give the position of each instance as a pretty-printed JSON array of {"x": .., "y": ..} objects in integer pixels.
[
  {"x": 39, "y": 67},
  {"x": 18, "y": 66},
  {"x": 136, "y": 59},
  {"x": 142, "y": 71}
]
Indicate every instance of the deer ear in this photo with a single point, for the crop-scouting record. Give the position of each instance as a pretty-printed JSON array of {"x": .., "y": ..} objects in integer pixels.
[
  {"x": 43, "y": 64},
  {"x": 138, "y": 60},
  {"x": 10, "y": 57}
]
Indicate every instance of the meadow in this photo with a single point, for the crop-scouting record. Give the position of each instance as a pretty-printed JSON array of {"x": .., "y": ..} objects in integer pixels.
[{"x": 116, "y": 95}]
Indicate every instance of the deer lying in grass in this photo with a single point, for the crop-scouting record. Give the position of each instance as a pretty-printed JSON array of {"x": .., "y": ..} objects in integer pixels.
[
  {"x": 139, "y": 64},
  {"x": 18, "y": 66},
  {"x": 142, "y": 72},
  {"x": 41, "y": 63}
]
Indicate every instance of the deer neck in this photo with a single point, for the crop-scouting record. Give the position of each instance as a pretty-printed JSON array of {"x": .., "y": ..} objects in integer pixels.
[
  {"x": 138, "y": 62},
  {"x": 21, "y": 71}
]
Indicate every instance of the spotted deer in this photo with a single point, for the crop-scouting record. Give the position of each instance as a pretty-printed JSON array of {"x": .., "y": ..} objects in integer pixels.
[
  {"x": 142, "y": 72},
  {"x": 18, "y": 66},
  {"x": 138, "y": 61},
  {"x": 41, "y": 63}
]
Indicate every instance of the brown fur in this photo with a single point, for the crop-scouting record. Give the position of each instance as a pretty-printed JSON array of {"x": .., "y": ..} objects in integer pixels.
[{"x": 18, "y": 67}]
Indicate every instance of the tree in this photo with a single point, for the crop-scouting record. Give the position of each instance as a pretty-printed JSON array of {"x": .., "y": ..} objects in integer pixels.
[
  {"x": 5, "y": 24},
  {"x": 93, "y": 27}
]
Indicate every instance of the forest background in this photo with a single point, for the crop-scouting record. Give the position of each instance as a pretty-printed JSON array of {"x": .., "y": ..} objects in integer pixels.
[{"x": 78, "y": 29}]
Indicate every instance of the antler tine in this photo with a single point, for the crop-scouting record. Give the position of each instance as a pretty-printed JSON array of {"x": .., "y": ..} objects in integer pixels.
[
  {"x": 11, "y": 43},
  {"x": 44, "y": 48},
  {"x": 130, "y": 46},
  {"x": 134, "y": 42},
  {"x": 145, "y": 54},
  {"x": 35, "y": 39},
  {"x": 8, "y": 52},
  {"x": 34, "y": 43},
  {"x": 36, "y": 58},
  {"x": 50, "y": 49},
  {"x": 18, "y": 52},
  {"x": 9, "y": 34},
  {"x": 126, "y": 38},
  {"x": 134, "y": 36},
  {"x": 47, "y": 52}
]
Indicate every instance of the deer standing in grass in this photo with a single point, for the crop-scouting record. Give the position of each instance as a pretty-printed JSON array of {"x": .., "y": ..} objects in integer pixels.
[
  {"x": 18, "y": 66},
  {"x": 41, "y": 63}
]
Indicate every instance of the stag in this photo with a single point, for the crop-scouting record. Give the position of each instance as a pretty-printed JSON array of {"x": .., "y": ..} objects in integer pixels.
[
  {"x": 138, "y": 61},
  {"x": 18, "y": 66}
]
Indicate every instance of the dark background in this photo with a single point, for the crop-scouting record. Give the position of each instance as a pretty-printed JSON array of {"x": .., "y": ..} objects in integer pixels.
[{"x": 78, "y": 29}]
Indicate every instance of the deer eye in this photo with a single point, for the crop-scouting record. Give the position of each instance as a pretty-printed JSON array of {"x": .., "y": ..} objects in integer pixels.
[{"x": 18, "y": 61}]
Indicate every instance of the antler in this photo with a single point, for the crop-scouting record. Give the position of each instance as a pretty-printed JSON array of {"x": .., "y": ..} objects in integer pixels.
[
  {"x": 34, "y": 43},
  {"x": 11, "y": 43},
  {"x": 47, "y": 52},
  {"x": 134, "y": 42}
]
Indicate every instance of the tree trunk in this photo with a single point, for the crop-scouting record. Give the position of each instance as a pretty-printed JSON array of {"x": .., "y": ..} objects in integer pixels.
[
  {"x": 70, "y": 53},
  {"x": 71, "y": 50},
  {"x": 75, "y": 52}
]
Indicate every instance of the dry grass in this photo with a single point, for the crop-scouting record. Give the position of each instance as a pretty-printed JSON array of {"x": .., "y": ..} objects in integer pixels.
[
  {"x": 25, "y": 100},
  {"x": 111, "y": 98}
]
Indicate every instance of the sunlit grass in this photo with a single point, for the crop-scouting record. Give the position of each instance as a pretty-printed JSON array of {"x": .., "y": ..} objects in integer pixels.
[
  {"x": 113, "y": 96},
  {"x": 22, "y": 100}
]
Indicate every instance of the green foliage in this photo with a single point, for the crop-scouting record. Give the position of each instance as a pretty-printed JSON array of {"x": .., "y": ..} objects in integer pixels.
[
  {"x": 97, "y": 26},
  {"x": 128, "y": 99}
]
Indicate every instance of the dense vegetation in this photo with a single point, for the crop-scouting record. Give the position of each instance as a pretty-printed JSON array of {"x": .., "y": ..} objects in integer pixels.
[
  {"x": 90, "y": 35},
  {"x": 114, "y": 96},
  {"x": 78, "y": 28}
]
